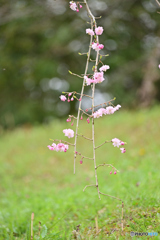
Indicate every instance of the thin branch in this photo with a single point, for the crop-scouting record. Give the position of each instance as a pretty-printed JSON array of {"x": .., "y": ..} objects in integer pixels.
[
  {"x": 71, "y": 116},
  {"x": 111, "y": 196},
  {"x": 79, "y": 107},
  {"x": 84, "y": 95},
  {"x": 102, "y": 144},
  {"x": 57, "y": 140},
  {"x": 75, "y": 74},
  {"x": 104, "y": 164},
  {"x": 89, "y": 186},
  {"x": 86, "y": 113},
  {"x": 158, "y": 2},
  {"x": 84, "y": 137}
]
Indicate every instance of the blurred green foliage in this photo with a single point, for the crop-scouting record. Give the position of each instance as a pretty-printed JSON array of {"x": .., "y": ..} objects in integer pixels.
[{"x": 40, "y": 41}]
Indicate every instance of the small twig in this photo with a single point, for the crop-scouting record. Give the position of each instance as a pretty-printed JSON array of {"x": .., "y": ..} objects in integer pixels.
[
  {"x": 104, "y": 164},
  {"x": 82, "y": 53},
  {"x": 102, "y": 144},
  {"x": 84, "y": 137},
  {"x": 110, "y": 196},
  {"x": 84, "y": 95},
  {"x": 86, "y": 113},
  {"x": 89, "y": 186},
  {"x": 57, "y": 140},
  {"x": 75, "y": 74},
  {"x": 32, "y": 218},
  {"x": 71, "y": 116}
]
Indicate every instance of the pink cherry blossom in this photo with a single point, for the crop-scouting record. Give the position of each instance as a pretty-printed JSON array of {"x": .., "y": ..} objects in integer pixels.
[
  {"x": 69, "y": 94},
  {"x": 117, "y": 107},
  {"x": 99, "y": 30},
  {"x": 88, "y": 120},
  {"x": 110, "y": 173},
  {"x": 68, "y": 100},
  {"x": 88, "y": 80},
  {"x": 73, "y": 6},
  {"x": 77, "y": 10},
  {"x": 104, "y": 68},
  {"x": 98, "y": 77},
  {"x": 61, "y": 147},
  {"x": 81, "y": 161},
  {"x": 63, "y": 98},
  {"x": 116, "y": 142},
  {"x": 115, "y": 172},
  {"x": 123, "y": 150},
  {"x": 97, "y": 46},
  {"x": 110, "y": 110},
  {"x": 68, "y": 133},
  {"x": 90, "y": 32},
  {"x": 122, "y": 143},
  {"x": 159, "y": 66},
  {"x": 50, "y": 147},
  {"x": 72, "y": 99},
  {"x": 80, "y": 6},
  {"x": 101, "y": 46},
  {"x": 79, "y": 99}
]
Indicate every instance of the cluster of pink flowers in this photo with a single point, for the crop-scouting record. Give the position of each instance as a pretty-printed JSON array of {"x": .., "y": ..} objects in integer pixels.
[
  {"x": 97, "y": 46},
  {"x": 98, "y": 31},
  {"x": 70, "y": 97},
  {"x": 97, "y": 78},
  {"x": 74, "y": 6},
  {"x": 107, "y": 110},
  {"x": 68, "y": 133},
  {"x": 60, "y": 147},
  {"x": 116, "y": 143}
]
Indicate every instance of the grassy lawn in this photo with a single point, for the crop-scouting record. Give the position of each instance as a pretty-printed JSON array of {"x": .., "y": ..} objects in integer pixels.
[{"x": 34, "y": 179}]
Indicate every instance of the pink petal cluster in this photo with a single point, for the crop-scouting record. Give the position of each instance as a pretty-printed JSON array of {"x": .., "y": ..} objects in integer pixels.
[
  {"x": 88, "y": 80},
  {"x": 108, "y": 110},
  {"x": 116, "y": 143},
  {"x": 104, "y": 68},
  {"x": 68, "y": 133},
  {"x": 123, "y": 150},
  {"x": 97, "y": 46},
  {"x": 90, "y": 32},
  {"x": 98, "y": 77},
  {"x": 60, "y": 147},
  {"x": 99, "y": 30},
  {"x": 73, "y": 6},
  {"x": 159, "y": 66},
  {"x": 63, "y": 98}
]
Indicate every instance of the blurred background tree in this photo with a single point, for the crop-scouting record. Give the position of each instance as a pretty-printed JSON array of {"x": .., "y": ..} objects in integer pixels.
[{"x": 40, "y": 41}]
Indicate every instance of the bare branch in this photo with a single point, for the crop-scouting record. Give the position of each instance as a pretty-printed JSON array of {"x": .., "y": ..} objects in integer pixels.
[
  {"x": 102, "y": 144},
  {"x": 110, "y": 196},
  {"x": 57, "y": 140},
  {"x": 158, "y": 2},
  {"x": 109, "y": 165},
  {"x": 89, "y": 186},
  {"x": 84, "y": 137}
]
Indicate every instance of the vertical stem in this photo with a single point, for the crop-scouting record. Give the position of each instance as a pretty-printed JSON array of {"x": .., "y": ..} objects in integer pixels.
[
  {"x": 93, "y": 93},
  {"x": 80, "y": 103}
]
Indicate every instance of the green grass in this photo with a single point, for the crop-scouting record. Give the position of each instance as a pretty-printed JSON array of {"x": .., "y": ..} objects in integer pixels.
[{"x": 34, "y": 179}]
